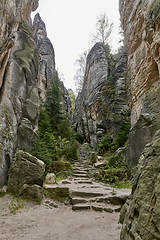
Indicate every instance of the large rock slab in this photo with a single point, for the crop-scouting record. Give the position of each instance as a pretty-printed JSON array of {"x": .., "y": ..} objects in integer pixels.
[{"x": 25, "y": 170}]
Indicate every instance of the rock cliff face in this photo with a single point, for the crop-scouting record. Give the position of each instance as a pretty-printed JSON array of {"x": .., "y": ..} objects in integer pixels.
[
  {"x": 19, "y": 100},
  {"x": 47, "y": 70},
  {"x": 101, "y": 106},
  {"x": 66, "y": 102},
  {"x": 46, "y": 56},
  {"x": 141, "y": 24},
  {"x": 27, "y": 67}
]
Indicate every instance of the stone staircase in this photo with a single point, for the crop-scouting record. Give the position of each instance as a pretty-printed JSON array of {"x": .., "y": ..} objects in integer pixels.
[{"x": 86, "y": 194}]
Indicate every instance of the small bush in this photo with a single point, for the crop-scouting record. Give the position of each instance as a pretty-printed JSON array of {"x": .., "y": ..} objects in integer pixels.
[
  {"x": 105, "y": 143},
  {"x": 79, "y": 137},
  {"x": 122, "y": 136},
  {"x": 113, "y": 160},
  {"x": 57, "y": 166}
]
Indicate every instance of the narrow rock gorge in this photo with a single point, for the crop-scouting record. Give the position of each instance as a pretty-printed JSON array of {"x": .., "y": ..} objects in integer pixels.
[
  {"x": 117, "y": 89},
  {"x": 141, "y": 25}
]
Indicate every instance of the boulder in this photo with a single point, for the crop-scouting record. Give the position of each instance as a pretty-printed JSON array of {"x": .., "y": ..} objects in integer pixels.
[
  {"x": 50, "y": 178},
  {"x": 31, "y": 192},
  {"x": 25, "y": 169}
]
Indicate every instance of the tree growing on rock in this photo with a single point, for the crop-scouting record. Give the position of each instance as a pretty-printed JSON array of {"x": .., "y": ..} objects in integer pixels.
[
  {"x": 81, "y": 66},
  {"x": 103, "y": 29}
]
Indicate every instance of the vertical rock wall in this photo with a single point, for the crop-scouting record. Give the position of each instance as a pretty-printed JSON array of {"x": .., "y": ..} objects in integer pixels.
[
  {"x": 141, "y": 25},
  {"x": 46, "y": 56},
  {"x": 140, "y": 216},
  {"x": 19, "y": 100},
  {"x": 47, "y": 70},
  {"x": 101, "y": 106}
]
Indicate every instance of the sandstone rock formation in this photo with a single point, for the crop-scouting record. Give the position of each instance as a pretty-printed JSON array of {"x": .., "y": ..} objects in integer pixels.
[
  {"x": 46, "y": 56},
  {"x": 141, "y": 24},
  {"x": 141, "y": 215},
  {"x": 47, "y": 70},
  {"x": 26, "y": 174},
  {"x": 19, "y": 100},
  {"x": 140, "y": 21},
  {"x": 66, "y": 101},
  {"x": 101, "y": 106},
  {"x": 27, "y": 66}
]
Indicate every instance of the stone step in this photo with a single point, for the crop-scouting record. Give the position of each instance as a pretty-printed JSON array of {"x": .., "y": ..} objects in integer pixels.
[
  {"x": 78, "y": 206},
  {"x": 97, "y": 208},
  {"x": 84, "y": 194},
  {"x": 81, "y": 207},
  {"x": 84, "y": 182},
  {"x": 80, "y": 175},
  {"x": 79, "y": 200},
  {"x": 81, "y": 179},
  {"x": 79, "y": 172}
]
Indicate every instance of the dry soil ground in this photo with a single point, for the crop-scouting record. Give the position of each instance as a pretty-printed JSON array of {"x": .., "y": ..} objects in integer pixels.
[{"x": 37, "y": 222}]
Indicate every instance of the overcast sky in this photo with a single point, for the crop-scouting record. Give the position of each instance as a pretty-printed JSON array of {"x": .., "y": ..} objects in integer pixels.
[{"x": 70, "y": 24}]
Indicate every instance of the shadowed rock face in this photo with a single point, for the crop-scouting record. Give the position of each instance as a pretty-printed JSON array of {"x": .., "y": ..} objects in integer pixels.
[
  {"x": 141, "y": 25},
  {"x": 101, "y": 106},
  {"x": 46, "y": 56},
  {"x": 47, "y": 70},
  {"x": 19, "y": 100}
]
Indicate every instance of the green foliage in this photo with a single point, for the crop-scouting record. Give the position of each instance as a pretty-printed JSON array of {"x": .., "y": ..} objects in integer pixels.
[
  {"x": 79, "y": 137},
  {"x": 2, "y": 194},
  {"x": 113, "y": 160},
  {"x": 122, "y": 136},
  {"x": 112, "y": 175},
  {"x": 111, "y": 64},
  {"x": 72, "y": 97},
  {"x": 55, "y": 138},
  {"x": 103, "y": 29},
  {"x": 105, "y": 143},
  {"x": 64, "y": 174},
  {"x": 60, "y": 165}
]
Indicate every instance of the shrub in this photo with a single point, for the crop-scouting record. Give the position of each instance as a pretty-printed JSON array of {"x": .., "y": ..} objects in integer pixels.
[
  {"x": 55, "y": 136},
  {"x": 57, "y": 166},
  {"x": 105, "y": 143},
  {"x": 79, "y": 137},
  {"x": 122, "y": 136}
]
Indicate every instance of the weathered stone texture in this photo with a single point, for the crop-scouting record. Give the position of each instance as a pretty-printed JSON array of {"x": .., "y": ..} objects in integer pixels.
[
  {"x": 141, "y": 25},
  {"x": 101, "y": 106},
  {"x": 46, "y": 56},
  {"x": 25, "y": 172},
  {"x": 66, "y": 101},
  {"x": 47, "y": 70},
  {"x": 19, "y": 101},
  {"x": 141, "y": 215}
]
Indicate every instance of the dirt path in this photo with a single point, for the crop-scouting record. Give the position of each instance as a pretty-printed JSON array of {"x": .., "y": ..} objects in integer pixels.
[
  {"x": 40, "y": 223},
  {"x": 95, "y": 215}
]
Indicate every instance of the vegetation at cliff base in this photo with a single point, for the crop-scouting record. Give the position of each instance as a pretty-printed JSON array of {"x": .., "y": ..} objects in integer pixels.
[{"x": 56, "y": 141}]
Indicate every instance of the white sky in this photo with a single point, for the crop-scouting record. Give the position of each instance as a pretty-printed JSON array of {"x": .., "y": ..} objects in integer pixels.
[{"x": 70, "y": 24}]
